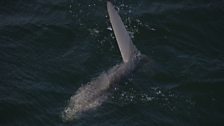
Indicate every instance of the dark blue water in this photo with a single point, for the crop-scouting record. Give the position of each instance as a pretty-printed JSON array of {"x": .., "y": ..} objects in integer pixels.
[{"x": 49, "y": 48}]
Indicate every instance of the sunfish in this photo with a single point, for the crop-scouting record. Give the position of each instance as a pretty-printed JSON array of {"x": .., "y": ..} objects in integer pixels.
[{"x": 95, "y": 92}]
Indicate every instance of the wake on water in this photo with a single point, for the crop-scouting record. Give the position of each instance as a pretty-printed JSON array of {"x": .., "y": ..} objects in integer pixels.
[{"x": 94, "y": 93}]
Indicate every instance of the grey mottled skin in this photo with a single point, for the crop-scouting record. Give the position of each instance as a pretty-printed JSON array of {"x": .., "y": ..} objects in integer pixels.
[
  {"x": 93, "y": 94},
  {"x": 97, "y": 91}
]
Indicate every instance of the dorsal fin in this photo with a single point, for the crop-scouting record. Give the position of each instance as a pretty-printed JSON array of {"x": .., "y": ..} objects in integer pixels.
[{"x": 124, "y": 41}]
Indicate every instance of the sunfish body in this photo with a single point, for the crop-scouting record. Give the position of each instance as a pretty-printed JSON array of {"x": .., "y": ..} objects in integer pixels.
[{"x": 93, "y": 94}]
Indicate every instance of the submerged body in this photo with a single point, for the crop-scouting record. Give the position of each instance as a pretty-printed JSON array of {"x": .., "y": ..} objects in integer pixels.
[
  {"x": 97, "y": 91},
  {"x": 94, "y": 93}
]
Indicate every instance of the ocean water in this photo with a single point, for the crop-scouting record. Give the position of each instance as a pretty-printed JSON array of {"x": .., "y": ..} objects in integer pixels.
[{"x": 49, "y": 48}]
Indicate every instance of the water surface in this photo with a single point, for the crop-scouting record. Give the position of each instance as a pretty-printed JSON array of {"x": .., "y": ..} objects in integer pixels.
[{"x": 49, "y": 48}]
